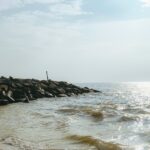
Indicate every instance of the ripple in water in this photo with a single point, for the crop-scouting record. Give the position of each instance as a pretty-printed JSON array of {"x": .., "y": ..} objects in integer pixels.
[
  {"x": 98, "y": 144},
  {"x": 118, "y": 118}
]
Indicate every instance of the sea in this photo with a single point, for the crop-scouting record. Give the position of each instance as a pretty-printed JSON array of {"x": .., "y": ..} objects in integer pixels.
[{"x": 117, "y": 118}]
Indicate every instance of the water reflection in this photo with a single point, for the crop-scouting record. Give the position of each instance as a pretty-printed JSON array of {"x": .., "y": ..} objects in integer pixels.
[{"x": 98, "y": 121}]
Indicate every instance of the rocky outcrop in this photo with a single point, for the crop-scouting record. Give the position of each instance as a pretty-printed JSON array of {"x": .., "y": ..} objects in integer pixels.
[{"x": 24, "y": 90}]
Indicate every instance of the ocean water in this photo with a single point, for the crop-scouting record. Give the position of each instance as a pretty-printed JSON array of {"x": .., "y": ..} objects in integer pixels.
[{"x": 116, "y": 119}]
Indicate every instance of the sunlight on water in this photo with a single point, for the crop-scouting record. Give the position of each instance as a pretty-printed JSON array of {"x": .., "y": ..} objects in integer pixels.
[{"x": 117, "y": 118}]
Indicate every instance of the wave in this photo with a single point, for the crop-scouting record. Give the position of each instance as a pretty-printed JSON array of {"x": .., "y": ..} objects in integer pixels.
[
  {"x": 68, "y": 110},
  {"x": 98, "y": 144},
  {"x": 96, "y": 114},
  {"x": 41, "y": 115},
  {"x": 14, "y": 143},
  {"x": 126, "y": 118}
]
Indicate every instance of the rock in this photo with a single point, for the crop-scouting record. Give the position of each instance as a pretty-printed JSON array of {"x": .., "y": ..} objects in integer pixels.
[
  {"x": 44, "y": 86},
  {"x": 10, "y": 96},
  {"x": 44, "y": 82},
  {"x": 18, "y": 94},
  {"x": 10, "y": 99},
  {"x": 18, "y": 85},
  {"x": 62, "y": 95},
  {"x": 24, "y": 90},
  {"x": 26, "y": 99},
  {"x": 4, "y": 102},
  {"x": 63, "y": 84},
  {"x": 61, "y": 90},
  {"x": 52, "y": 86},
  {"x": 3, "y": 87},
  {"x": 86, "y": 90},
  {"x": 96, "y": 91},
  {"x": 47, "y": 94},
  {"x": 70, "y": 94},
  {"x": 4, "y": 81}
]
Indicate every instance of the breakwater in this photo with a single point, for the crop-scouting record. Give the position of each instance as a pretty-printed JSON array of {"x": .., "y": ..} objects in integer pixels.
[{"x": 24, "y": 90}]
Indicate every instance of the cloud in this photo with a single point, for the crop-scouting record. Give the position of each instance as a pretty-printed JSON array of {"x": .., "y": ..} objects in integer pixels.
[
  {"x": 35, "y": 37},
  {"x": 96, "y": 49},
  {"x": 8, "y": 4},
  {"x": 146, "y": 3},
  {"x": 43, "y": 1},
  {"x": 68, "y": 8},
  {"x": 47, "y": 7}
]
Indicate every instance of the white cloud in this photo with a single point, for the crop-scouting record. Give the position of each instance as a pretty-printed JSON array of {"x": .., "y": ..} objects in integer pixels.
[
  {"x": 23, "y": 41},
  {"x": 8, "y": 4},
  {"x": 146, "y": 3},
  {"x": 99, "y": 51},
  {"x": 72, "y": 7},
  {"x": 34, "y": 42},
  {"x": 54, "y": 7},
  {"x": 42, "y": 1}
]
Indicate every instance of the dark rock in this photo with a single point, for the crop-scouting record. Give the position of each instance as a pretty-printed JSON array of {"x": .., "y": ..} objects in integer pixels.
[
  {"x": 10, "y": 99},
  {"x": 44, "y": 86},
  {"x": 26, "y": 99},
  {"x": 4, "y": 102},
  {"x": 62, "y": 95},
  {"x": 18, "y": 94},
  {"x": 3, "y": 87},
  {"x": 4, "y": 81},
  {"x": 47, "y": 94},
  {"x": 63, "y": 84},
  {"x": 18, "y": 85},
  {"x": 52, "y": 86},
  {"x": 24, "y": 90},
  {"x": 61, "y": 90}
]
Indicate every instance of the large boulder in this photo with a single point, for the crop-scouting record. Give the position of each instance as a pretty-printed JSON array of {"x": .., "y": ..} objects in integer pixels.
[
  {"x": 62, "y": 95},
  {"x": 4, "y": 102},
  {"x": 61, "y": 91},
  {"x": 18, "y": 94},
  {"x": 3, "y": 87}
]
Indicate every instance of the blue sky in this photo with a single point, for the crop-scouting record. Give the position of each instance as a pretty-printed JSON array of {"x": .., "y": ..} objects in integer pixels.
[
  {"x": 85, "y": 9},
  {"x": 76, "y": 40}
]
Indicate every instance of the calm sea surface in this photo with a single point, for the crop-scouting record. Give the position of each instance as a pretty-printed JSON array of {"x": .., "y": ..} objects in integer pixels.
[{"x": 118, "y": 118}]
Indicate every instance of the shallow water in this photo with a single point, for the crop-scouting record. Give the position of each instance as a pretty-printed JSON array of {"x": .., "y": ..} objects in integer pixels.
[{"x": 118, "y": 118}]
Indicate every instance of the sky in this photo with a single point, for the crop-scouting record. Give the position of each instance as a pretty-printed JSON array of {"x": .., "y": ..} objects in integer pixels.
[{"x": 76, "y": 40}]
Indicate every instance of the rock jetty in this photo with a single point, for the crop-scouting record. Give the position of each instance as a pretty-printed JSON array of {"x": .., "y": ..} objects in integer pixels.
[{"x": 14, "y": 90}]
